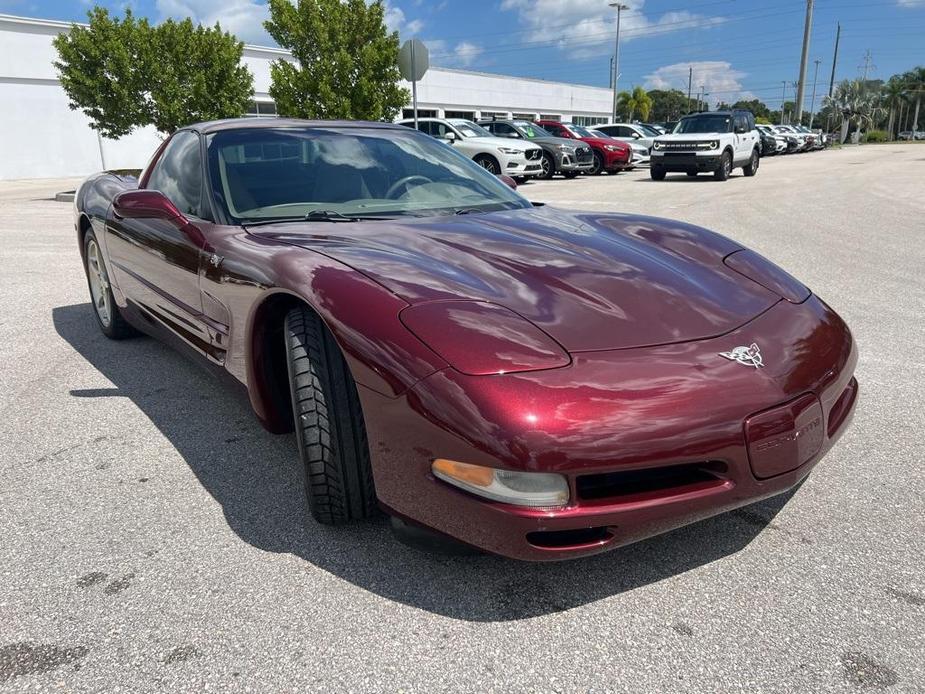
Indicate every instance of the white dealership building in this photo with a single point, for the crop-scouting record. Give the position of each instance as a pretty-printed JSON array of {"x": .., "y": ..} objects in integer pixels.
[{"x": 40, "y": 136}]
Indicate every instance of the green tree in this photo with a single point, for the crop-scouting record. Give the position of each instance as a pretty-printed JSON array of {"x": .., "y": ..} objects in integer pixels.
[
  {"x": 635, "y": 101},
  {"x": 346, "y": 61},
  {"x": 668, "y": 104},
  {"x": 126, "y": 74}
]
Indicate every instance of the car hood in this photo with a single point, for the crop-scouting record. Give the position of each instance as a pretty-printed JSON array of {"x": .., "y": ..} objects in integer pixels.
[
  {"x": 592, "y": 281},
  {"x": 500, "y": 142},
  {"x": 687, "y": 137},
  {"x": 555, "y": 141}
]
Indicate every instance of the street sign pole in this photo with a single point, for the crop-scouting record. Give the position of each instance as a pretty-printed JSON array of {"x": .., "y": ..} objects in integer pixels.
[{"x": 414, "y": 91}]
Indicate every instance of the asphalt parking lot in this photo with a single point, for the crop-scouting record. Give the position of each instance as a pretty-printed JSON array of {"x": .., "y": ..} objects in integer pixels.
[{"x": 154, "y": 536}]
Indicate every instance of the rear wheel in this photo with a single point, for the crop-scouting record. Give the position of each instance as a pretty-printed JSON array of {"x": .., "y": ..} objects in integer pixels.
[
  {"x": 489, "y": 163},
  {"x": 329, "y": 423},
  {"x": 657, "y": 173},
  {"x": 724, "y": 168},
  {"x": 751, "y": 168},
  {"x": 549, "y": 166},
  {"x": 111, "y": 322}
]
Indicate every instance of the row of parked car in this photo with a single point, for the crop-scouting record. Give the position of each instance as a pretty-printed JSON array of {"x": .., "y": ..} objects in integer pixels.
[{"x": 711, "y": 142}]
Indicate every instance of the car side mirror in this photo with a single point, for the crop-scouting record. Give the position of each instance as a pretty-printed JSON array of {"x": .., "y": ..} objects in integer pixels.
[
  {"x": 636, "y": 136},
  {"x": 513, "y": 136},
  {"x": 147, "y": 204},
  {"x": 449, "y": 136},
  {"x": 508, "y": 181}
]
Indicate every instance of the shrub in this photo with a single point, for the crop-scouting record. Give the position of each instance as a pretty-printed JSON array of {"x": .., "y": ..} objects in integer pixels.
[{"x": 876, "y": 136}]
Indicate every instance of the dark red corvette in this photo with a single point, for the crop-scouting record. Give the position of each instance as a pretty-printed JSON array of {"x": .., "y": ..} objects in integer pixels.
[{"x": 537, "y": 383}]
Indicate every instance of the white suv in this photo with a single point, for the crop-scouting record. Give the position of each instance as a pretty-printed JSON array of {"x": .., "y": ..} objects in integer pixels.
[
  {"x": 714, "y": 141},
  {"x": 498, "y": 155}
]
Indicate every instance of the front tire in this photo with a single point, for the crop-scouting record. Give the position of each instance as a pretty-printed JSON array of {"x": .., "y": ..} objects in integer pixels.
[
  {"x": 751, "y": 168},
  {"x": 549, "y": 166},
  {"x": 108, "y": 317},
  {"x": 489, "y": 163},
  {"x": 724, "y": 168},
  {"x": 570, "y": 174},
  {"x": 597, "y": 166},
  {"x": 329, "y": 423},
  {"x": 657, "y": 173}
]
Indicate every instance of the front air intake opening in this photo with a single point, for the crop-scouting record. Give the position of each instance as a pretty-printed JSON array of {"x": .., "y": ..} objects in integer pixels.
[
  {"x": 563, "y": 539},
  {"x": 631, "y": 485}
]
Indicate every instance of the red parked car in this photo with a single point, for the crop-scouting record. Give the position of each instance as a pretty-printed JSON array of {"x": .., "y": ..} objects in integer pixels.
[
  {"x": 534, "y": 382},
  {"x": 610, "y": 155}
]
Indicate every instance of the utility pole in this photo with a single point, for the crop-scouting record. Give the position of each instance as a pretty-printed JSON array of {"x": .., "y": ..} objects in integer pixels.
[
  {"x": 812, "y": 104},
  {"x": 783, "y": 99},
  {"x": 835, "y": 59},
  {"x": 616, "y": 56},
  {"x": 690, "y": 78},
  {"x": 611, "y": 72},
  {"x": 700, "y": 96},
  {"x": 807, "y": 30},
  {"x": 868, "y": 64}
]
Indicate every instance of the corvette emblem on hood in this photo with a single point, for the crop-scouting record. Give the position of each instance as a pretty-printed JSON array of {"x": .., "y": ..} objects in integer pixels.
[{"x": 747, "y": 356}]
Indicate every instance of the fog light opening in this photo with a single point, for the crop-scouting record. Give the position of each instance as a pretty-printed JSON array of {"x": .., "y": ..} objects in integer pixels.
[{"x": 531, "y": 489}]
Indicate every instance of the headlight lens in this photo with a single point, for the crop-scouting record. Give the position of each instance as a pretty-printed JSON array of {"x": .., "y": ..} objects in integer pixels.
[
  {"x": 566, "y": 149},
  {"x": 479, "y": 338},
  {"x": 532, "y": 489},
  {"x": 714, "y": 144},
  {"x": 510, "y": 150},
  {"x": 613, "y": 148},
  {"x": 657, "y": 145}
]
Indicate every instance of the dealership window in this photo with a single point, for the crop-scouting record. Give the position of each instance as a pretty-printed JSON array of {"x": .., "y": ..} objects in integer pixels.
[
  {"x": 494, "y": 115},
  {"x": 550, "y": 116},
  {"x": 467, "y": 115},
  {"x": 588, "y": 120},
  {"x": 422, "y": 113},
  {"x": 524, "y": 116},
  {"x": 261, "y": 109}
]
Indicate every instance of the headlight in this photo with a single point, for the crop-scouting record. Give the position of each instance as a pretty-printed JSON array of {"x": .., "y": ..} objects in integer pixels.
[
  {"x": 533, "y": 489},
  {"x": 714, "y": 144},
  {"x": 759, "y": 269},
  {"x": 510, "y": 150},
  {"x": 480, "y": 338},
  {"x": 657, "y": 145},
  {"x": 566, "y": 149},
  {"x": 613, "y": 148}
]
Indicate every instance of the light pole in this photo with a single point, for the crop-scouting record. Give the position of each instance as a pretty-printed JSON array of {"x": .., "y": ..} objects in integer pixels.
[
  {"x": 812, "y": 104},
  {"x": 616, "y": 56},
  {"x": 782, "y": 100}
]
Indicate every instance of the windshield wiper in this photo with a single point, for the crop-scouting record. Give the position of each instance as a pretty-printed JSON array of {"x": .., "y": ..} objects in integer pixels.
[{"x": 313, "y": 216}]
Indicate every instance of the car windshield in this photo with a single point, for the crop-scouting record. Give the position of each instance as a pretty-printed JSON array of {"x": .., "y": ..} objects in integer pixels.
[
  {"x": 259, "y": 174},
  {"x": 580, "y": 131},
  {"x": 602, "y": 135},
  {"x": 530, "y": 130},
  {"x": 469, "y": 129},
  {"x": 705, "y": 123}
]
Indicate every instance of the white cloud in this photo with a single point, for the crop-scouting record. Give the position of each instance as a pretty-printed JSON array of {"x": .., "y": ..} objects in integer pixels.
[
  {"x": 243, "y": 18},
  {"x": 585, "y": 28},
  {"x": 467, "y": 53},
  {"x": 720, "y": 80},
  {"x": 911, "y": 3},
  {"x": 397, "y": 20}
]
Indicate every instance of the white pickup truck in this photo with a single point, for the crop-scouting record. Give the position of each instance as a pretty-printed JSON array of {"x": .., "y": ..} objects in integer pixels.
[{"x": 715, "y": 141}]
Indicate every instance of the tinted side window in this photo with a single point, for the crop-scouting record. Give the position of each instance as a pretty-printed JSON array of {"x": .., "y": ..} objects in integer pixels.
[
  {"x": 178, "y": 173},
  {"x": 741, "y": 122}
]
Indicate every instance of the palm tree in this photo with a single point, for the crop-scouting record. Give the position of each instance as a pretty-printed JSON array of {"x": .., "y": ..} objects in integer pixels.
[
  {"x": 637, "y": 100},
  {"x": 893, "y": 94}
]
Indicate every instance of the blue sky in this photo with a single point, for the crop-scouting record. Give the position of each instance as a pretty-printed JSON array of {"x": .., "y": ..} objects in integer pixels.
[{"x": 736, "y": 47}]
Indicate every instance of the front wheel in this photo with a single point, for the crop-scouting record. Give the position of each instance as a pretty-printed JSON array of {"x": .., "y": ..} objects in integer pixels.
[
  {"x": 656, "y": 173},
  {"x": 111, "y": 322},
  {"x": 597, "y": 166},
  {"x": 724, "y": 168},
  {"x": 549, "y": 166},
  {"x": 329, "y": 423},
  {"x": 488, "y": 163},
  {"x": 751, "y": 168},
  {"x": 570, "y": 174}
]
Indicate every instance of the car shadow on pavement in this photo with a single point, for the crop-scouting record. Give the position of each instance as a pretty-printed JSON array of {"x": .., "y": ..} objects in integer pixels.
[{"x": 256, "y": 479}]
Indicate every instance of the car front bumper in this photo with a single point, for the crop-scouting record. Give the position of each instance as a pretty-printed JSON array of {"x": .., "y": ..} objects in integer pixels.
[
  {"x": 686, "y": 161},
  {"x": 650, "y": 439}
]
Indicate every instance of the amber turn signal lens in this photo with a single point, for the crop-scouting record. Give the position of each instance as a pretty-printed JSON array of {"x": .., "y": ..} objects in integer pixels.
[
  {"x": 533, "y": 489},
  {"x": 464, "y": 472}
]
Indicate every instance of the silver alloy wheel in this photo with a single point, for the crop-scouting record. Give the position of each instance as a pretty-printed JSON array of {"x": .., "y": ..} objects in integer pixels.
[
  {"x": 99, "y": 283},
  {"x": 488, "y": 164},
  {"x": 727, "y": 164},
  {"x": 546, "y": 163}
]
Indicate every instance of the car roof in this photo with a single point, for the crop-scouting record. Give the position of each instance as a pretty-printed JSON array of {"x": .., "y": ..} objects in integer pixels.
[{"x": 265, "y": 123}]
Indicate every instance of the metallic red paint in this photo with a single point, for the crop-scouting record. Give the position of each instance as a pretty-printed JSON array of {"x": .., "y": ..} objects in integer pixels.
[{"x": 642, "y": 306}]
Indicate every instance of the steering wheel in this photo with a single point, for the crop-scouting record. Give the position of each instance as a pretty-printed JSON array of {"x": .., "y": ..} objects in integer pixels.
[{"x": 403, "y": 183}]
